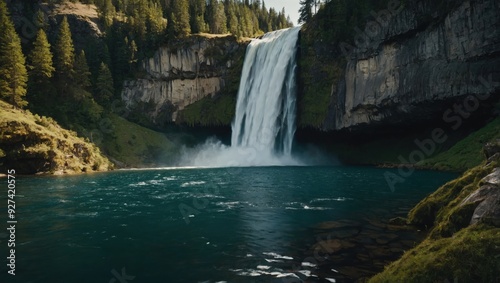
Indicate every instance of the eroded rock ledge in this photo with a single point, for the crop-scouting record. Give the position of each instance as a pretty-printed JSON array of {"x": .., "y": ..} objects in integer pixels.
[{"x": 182, "y": 73}]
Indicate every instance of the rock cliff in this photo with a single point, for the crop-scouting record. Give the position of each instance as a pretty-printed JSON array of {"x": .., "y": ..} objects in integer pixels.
[
  {"x": 183, "y": 73},
  {"x": 409, "y": 65}
]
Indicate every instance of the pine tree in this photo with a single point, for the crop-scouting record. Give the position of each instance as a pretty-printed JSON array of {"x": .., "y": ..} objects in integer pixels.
[
  {"x": 306, "y": 10},
  {"x": 104, "y": 85},
  {"x": 40, "y": 20},
  {"x": 232, "y": 19},
  {"x": 82, "y": 71},
  {"x": 13, "y": 73},
  {"x": 41, "y": 68},
  {"x": 64, "y": 53},
  {"x": 197, "y": 16},
  {"x": 181, "y": 18},
  {"x": 217, "y": 17}
]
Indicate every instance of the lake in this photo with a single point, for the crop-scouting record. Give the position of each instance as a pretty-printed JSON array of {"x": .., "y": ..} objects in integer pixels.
[{"x": 254, "y": 224}]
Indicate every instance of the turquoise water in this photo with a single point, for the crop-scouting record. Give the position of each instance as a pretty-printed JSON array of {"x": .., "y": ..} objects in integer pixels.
[{"x": 191, "y": 225}]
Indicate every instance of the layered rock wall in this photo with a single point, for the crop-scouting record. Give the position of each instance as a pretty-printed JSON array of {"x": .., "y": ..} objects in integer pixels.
[
  {"x": 181, "y": 74},
  {"x": 413, "y": 69}
]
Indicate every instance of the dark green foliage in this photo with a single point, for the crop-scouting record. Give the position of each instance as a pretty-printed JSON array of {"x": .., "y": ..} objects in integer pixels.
[
  {"x": 64, "y": 53},
  {"x": 40, "y": 20},
  {"x": 104, "y": 85},
  {"x": 41, "y": 71},
  {"x": 216, "y": 17},
  {"x": 305, "y": 10},
  {"x": 41, "y": 68},
  {"x": 82, "y": 71},
  {"x": 13, "y": 73},
  {"x": 181, "y": 18},
  {"x": 197, "y": 9}
]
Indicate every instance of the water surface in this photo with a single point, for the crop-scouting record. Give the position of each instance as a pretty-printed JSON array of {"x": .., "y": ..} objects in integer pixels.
[{"x": 196, "y": 225}]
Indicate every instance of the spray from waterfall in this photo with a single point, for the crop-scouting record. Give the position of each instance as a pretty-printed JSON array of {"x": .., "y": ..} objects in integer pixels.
[{"x": 264, "y": 123}]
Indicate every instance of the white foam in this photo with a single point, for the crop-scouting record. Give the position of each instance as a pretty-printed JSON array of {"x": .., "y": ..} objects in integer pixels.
[
  {"x": 273, "y": 260},
  {"x": 308, "y": 264},
  {"x": 192, "y": 183},
  {"x": 306, "y": 273},
  {"x": 278, "y": 256},
  {"x": 329, "y": 199}
]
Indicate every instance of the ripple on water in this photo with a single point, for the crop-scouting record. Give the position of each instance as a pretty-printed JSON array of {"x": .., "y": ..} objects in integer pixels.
[
  {"x": 233, "y": 204},
  {"x": 192, "y": 183},
  {"x": 303, "y": 206}
]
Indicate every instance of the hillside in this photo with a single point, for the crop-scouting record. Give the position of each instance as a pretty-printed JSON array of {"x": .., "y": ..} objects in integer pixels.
[{"x": 31, "y": 144}]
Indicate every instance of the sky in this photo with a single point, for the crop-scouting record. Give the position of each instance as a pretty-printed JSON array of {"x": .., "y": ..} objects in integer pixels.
[{"x": 291, "y": 7}]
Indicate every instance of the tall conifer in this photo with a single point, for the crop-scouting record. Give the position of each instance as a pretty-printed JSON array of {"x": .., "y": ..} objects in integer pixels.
[
  {"x": 13, "y": 73},
  {"x": 64, "y": 53}
]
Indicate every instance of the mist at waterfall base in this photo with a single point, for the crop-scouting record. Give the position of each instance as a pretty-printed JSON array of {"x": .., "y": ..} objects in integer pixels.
[{"x": 264, "y": 122}]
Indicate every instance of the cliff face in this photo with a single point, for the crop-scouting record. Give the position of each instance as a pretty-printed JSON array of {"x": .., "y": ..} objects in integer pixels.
[
  {"x": 411, "y": 64},
  {"x": 181, "y": 74}
]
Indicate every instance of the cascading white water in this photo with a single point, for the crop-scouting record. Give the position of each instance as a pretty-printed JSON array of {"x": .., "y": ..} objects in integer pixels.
[
  {"x": 265, "y": 110},
  {"x": 264, "y": 123}
]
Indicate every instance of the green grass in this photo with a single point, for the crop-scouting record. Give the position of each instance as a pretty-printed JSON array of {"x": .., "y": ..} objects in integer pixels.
[
  {"x": 436, "y": 208},
  {"x": 209, "y": 111},
  {"x": 453, "y": 249},
  {"x": 136, "y": 146},
  {"x": 467, "y": 153},
  {"x": 471, "y": 255}
]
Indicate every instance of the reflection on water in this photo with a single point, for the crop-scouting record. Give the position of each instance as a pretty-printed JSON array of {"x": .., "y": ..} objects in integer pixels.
[{"x": 243, "y": 224}]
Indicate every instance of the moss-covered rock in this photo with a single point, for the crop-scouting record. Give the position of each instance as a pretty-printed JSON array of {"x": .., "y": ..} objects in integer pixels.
[
  {"x": 471, "y": 255},
  {"x": 32, "y": 144},
  {"x": 464, "y": 231}
]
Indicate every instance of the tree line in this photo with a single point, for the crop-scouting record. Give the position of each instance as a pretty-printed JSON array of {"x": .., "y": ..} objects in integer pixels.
[
  {"x": 76, "y": 84},
  {"x": 53, "y": 77},
  {"x": 183, "y": 17}
]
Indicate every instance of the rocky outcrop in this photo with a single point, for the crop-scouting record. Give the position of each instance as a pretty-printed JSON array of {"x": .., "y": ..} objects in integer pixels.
[
  {"x": 416, "y": 64},
  {"x": 463, "y": 219},
  {"x": 487, "y": 198},
  {"x": 182, "y": 73},
  {"x": 31, "y": 144}
]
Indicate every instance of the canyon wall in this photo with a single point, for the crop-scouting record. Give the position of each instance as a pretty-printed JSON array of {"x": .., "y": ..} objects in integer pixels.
[
  {"x": 411, "y": 63},
  {"x": 181, "y": 74}
]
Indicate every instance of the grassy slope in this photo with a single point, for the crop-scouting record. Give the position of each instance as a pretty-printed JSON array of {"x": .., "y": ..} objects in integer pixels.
[
  {"x": 467, "y": 152},
  {"x": 471, "y": 255},
  {"x": 453, "y": 249},
  {"x": 136, "y": 146},
  {"x": 34, "y": 144}
]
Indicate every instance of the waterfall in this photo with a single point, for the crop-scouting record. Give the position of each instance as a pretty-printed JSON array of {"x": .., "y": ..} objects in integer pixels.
[
  {"x": 264, "y": 122},
  {"x": 265, "y": 109}
]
